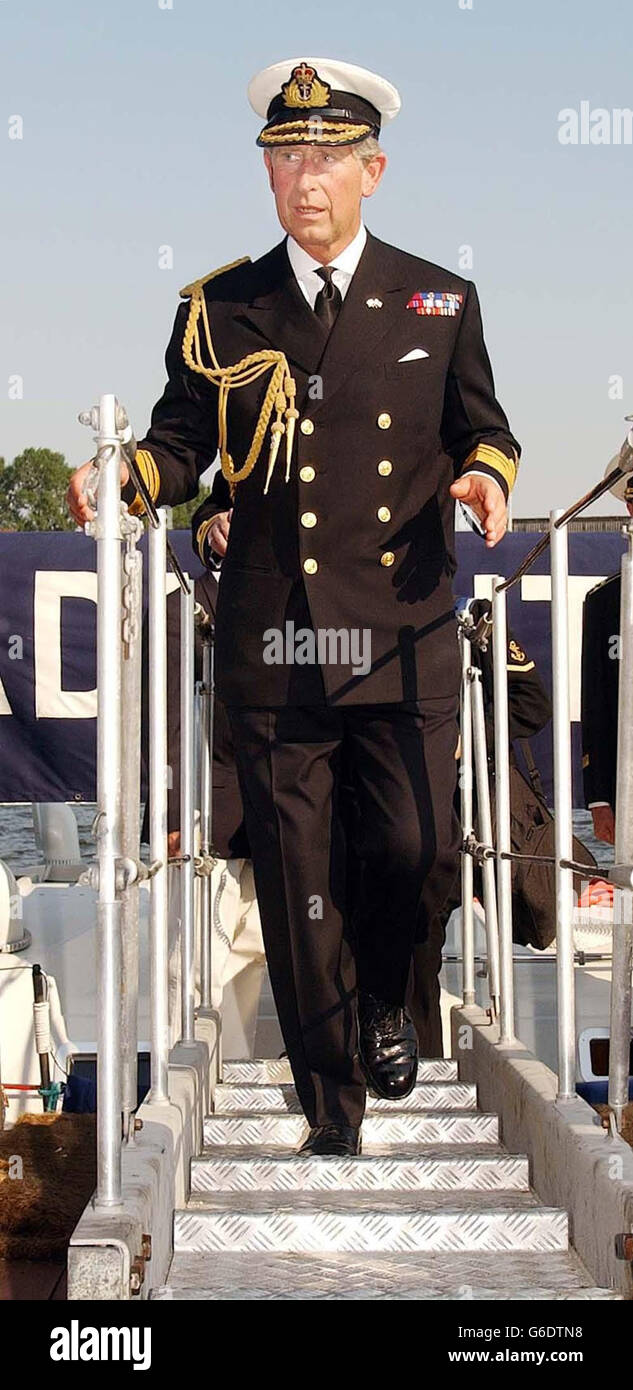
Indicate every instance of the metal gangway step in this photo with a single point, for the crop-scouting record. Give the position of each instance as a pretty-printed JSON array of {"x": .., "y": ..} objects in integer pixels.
[{"x": 434, "y": 1207}]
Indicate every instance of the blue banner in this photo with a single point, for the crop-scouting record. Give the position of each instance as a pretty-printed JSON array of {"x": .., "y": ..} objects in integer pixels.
[{"x": 48, "y": 635}]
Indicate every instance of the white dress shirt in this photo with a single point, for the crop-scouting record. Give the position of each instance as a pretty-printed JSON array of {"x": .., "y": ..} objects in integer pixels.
[{"x": 305, "y": 267}]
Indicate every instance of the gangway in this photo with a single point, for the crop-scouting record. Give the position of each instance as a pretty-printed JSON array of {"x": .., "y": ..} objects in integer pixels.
[{"x": 493, "y": 1162}]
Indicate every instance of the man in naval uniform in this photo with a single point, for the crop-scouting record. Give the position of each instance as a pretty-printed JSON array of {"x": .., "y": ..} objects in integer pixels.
[{"x": 347, "y": 386}]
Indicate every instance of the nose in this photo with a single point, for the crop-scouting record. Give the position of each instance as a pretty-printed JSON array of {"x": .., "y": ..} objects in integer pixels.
[{"x": 306, "y": 174}]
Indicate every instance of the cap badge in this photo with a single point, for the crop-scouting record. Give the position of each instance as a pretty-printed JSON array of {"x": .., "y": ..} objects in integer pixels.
[{"x": 305, "y": 88}]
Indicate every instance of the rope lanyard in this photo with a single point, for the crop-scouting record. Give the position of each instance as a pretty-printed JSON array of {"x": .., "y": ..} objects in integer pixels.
[{"x": 280, "y": 394}]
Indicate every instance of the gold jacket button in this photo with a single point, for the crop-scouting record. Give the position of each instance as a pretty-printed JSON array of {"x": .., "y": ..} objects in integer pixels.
[
  {"x": 310, "y": 566},
  {"x": 385, "y": 467},
  {"x": 387, "y": 558},
  {"x": 307, "y": 473},
  {"x": 383, "y": 514},
  {"x": 384, "y": 420},
  {"x": 308, "y": 519},
  {"x": 307, "y": 427}
]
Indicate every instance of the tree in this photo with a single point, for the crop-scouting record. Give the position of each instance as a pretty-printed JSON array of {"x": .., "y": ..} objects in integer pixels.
[
  {"x": 33, "y": 492},
  {"x": 182, "y": 514}
]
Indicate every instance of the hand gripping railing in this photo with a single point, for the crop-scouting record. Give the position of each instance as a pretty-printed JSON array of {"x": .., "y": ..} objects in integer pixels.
[
  {"x": 119, "y": 868},
  {"x": 498, "y": 907}
]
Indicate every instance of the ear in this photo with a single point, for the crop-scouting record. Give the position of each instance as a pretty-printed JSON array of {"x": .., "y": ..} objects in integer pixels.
[
  {"x": 372, "y": 174},
  {"x": 268, "y": 161}
]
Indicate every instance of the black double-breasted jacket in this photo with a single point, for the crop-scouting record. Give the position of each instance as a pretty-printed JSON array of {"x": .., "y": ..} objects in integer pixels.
[{"x": 364, "y": 526}]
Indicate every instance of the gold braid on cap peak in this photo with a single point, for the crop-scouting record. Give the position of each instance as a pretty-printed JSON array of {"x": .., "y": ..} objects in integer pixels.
[{"x": 280, "y": 395}]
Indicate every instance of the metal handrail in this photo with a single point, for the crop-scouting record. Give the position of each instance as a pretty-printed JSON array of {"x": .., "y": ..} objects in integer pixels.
[
  {"x": 620, "y": 1011},
  {"x": 473, "y": 736},
  {"x": 119, "y": 869}
]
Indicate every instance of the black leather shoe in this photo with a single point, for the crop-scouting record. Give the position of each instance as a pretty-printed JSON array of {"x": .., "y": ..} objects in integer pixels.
[
  {"x": 388, "y": 1048},
  {"x": 341, "y": 1140}
]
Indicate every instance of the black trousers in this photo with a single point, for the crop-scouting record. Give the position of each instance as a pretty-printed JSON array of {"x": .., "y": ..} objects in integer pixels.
[{"x": 325, "y": 938}]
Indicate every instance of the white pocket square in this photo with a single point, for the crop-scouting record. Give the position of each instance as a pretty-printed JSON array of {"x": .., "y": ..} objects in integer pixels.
[{"x": 413, "y": 355}]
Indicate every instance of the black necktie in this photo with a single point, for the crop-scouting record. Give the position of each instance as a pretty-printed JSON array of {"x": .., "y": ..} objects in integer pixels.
[{"x": 328, "y": 300}]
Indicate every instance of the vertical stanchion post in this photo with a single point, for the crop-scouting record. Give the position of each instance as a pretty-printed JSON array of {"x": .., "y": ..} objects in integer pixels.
[
  {"x": 130, "y": 828},
  {"x": 563, "y": 832},
  {"x": 108, "y": 818},
  {"x": 205, "y": 822},
  {"x": 159, "y": 1002},
  {"x": 502, "y": 800},
  {"x": 187, "y": 944},
  {"x": 485, "y": 827},
  {"x": 622, "y": 958},
  {"x": 466, "y": 800}
]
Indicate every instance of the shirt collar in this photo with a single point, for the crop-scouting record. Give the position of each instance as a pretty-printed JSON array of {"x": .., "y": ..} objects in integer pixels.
[{"x": 347, "y": 260}]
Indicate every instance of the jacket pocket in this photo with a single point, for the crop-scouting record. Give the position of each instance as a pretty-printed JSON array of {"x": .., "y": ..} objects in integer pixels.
[{"x": 411, "y": 371}]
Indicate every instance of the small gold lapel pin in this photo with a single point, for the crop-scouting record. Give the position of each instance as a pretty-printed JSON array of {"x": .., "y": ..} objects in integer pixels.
[{"x": 374, "y": 303}]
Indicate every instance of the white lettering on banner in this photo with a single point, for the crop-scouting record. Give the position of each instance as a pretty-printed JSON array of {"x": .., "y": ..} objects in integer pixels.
[
  {"x": 537, "y": 588},
  {"x": 51, "y": 702},
  {"x": 51, "y": 586}
]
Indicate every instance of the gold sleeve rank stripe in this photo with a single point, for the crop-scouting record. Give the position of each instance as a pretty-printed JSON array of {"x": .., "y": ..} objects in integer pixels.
[
  {"x": 202, "y": 533},
  {"x": 494, "y": 458},
  {"x": 151, "y": 477}
]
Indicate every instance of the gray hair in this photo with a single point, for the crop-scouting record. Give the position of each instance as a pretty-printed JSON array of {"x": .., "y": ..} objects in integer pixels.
[{"x": 367, "y": 149}]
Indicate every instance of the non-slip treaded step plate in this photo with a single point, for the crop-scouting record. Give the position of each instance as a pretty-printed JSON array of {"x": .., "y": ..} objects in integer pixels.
[
  {"x": 398, "y": 1172},
  {"x": 498, "y": 1276},
  {"x": 387, "y": 1130},
  {"x": 276, "y": 1070},
  {"x": 356, "y": 1222},
  {"x": 438, "y": 1095}
]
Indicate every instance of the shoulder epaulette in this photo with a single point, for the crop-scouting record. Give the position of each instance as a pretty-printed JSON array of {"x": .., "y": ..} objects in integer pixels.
[{"x": 188, "y": 290}]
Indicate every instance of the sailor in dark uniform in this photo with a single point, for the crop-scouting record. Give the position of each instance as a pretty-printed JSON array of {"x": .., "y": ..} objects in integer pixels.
[
  {"x": 348, "y": 389},
  {"x": 600, "y": 678}
]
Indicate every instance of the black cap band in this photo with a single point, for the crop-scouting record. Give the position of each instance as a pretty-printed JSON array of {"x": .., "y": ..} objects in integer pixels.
[{"x": 343, "y": 106}]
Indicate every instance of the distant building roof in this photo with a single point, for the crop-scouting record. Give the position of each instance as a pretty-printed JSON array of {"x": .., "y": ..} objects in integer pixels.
[{"x": 586, "y": 523}]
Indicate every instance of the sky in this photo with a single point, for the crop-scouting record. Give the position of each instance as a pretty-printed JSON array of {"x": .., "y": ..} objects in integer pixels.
[{"x": 135, "y": 134}]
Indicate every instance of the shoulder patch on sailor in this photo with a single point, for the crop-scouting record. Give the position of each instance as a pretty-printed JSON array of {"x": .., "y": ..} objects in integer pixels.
[
  {"x": 188, "y": 290},
  {"x": 516, "y": 651}
]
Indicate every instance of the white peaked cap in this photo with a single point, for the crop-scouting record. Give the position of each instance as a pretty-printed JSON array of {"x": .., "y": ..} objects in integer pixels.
[{"x": 350, "y": 100}]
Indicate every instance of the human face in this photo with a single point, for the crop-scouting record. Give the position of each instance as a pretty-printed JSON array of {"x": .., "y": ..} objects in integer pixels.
[{"x": 318, "y": 191}]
